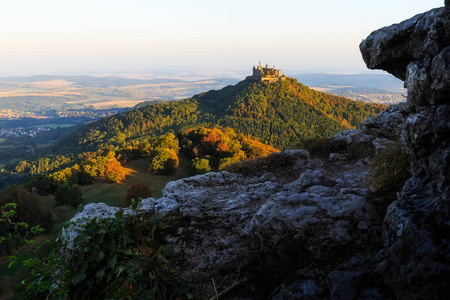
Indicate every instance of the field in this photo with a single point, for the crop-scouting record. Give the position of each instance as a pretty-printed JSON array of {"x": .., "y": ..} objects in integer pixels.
[
  {"x": 26, "y": 96},
  {"x": 114, "y": 193}
]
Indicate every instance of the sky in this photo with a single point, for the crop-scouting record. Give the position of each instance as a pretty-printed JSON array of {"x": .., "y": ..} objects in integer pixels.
[{"x": 120, "y": 36}]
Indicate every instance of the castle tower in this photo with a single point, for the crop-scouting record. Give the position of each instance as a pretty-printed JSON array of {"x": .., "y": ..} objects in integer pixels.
[{"x": 266, "y": 74}]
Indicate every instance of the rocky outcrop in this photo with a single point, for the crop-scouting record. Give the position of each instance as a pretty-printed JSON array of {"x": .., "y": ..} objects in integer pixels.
[
  {"x": 416, "y": 230},
  {"x": 282, "y": 230}
]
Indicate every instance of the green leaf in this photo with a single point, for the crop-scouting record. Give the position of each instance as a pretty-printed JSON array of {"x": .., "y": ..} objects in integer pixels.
[
  {"x": 10, "y": 205},
  {"x": 99, "y": 256},
  {"x": 100, "y": 273},
  {"x": 11, "y": 264},
  {"x": 76, "y": 279},
  {"x": 119, "y": 270},
  {"x": 112, "y": 262},
  {"x": 23, "y": 224},
  {"x": 169, "y": 249},
  {"x": 111, "y": 246},
  {"x": 108, "y": 277},
  {"x": 119, "y": 215},
  {"x": 81, "y": 239},
  {"x": 126, "y": 251},
  {"x": 190, "y": 296}
]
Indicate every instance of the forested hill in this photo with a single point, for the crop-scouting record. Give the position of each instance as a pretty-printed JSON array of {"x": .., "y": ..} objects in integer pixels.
[{"x": 280, "y": 114}]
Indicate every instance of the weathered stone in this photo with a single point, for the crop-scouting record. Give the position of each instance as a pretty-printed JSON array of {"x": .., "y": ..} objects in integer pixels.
[
  {"x": 440, "y": 73},
  {"x": 392, "y": 48},
  {"x": 355, "y": 280},
  {"x": 416, "y": 257},
  {"x": 380, "y": 144},
  {"x": 387, "y": 124},
  {"x": 298, "y": 290},
  {"x": 342, "y": 140}
]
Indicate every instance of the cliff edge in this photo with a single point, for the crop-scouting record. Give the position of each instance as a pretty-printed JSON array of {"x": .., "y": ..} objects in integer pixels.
[{"x": 416, "y": 229}]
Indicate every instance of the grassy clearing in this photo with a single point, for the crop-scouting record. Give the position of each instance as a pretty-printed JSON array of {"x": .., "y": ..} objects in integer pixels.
[
  {"x": 114, "y": 193},
  {"x": 11, "y": 161}
]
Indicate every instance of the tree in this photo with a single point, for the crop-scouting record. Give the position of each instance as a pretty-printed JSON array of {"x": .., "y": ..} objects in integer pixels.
[
  {"x": 200, "y": 166},
  {"x": 165, "y": 161},
  {"x": 70, "y": 195},
  {"x": 137, "y": 191},
  {"x": 167, "y": 141},
  {"x": 42, "y": 184},
  {"x": 114, "y": 172},
  {"x": 29, "y": 209}
]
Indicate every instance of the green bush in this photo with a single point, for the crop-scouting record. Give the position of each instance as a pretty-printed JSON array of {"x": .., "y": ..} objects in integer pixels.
[
  {"x": 117, "y": 258},
  {"x": 70, "y": 195}
]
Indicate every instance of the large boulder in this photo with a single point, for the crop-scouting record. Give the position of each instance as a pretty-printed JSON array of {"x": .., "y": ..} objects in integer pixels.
[
  {"x": 416, "y": 230},
  {"x": 264, "y": 227}
]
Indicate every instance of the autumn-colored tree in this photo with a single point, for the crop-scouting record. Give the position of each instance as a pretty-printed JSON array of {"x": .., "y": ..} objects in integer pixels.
[
  {"x": 114, "y": 171},
  {"x": 254, "y": 149},
  {"x": 137, "y": 191}
]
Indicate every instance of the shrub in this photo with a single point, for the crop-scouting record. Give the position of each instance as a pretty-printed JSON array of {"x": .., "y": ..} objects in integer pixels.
[
  {"x": 70, "y": 195},
  {"x": 117, "y": 258},
  {"x": 30, "y": 208},
  {"x": 137, "y": 191}
]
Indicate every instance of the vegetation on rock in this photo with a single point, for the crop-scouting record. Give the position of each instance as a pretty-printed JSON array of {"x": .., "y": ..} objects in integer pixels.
[{"x": 278, "y": 114}]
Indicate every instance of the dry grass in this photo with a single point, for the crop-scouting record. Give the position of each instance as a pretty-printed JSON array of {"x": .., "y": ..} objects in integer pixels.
[
  {"x": 282, "y": 165},
  {"x": 389, "y": 169}
]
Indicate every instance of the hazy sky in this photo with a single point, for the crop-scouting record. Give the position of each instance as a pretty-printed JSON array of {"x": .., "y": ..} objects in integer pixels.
[{"x": 85, "y": 36}]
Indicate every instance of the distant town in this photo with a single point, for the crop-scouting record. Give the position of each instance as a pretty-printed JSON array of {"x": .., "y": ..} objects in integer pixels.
[
  {"x": 20, "y": 131},
  {"x": 87, "y": 113}
]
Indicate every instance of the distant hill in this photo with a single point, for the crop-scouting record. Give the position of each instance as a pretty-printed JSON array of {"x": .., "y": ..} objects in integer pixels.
[
  {"x": 374, "y": 88},
  {"x": 89, "y": 81},
  {"x": 45, "y": 95},
  {"x": 279, "y": 114},
  {"x": 375, "y": 81}
]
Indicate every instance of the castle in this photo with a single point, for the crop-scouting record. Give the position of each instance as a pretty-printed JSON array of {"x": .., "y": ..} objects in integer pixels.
[{"x": 266, "y": 74}]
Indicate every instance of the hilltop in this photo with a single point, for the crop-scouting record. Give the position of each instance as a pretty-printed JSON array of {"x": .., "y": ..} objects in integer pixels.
[{"x": 281, "y": 114}]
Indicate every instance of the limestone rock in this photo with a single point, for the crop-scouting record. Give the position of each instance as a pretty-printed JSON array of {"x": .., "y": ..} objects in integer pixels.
[
  {"x": 387, "y": 124},
  {"x": 232, "y": 220},
  {"x": 416, "y": 230},
  {"x": 344, "y": 139},
  {"x": 420, "y": 38}
]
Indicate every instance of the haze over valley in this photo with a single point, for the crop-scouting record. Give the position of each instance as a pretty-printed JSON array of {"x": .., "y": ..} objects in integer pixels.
[{"x": 149, "y": 150}]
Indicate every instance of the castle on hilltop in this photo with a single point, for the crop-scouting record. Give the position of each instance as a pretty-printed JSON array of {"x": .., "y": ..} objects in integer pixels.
[{"x": 266, "y": 74}]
